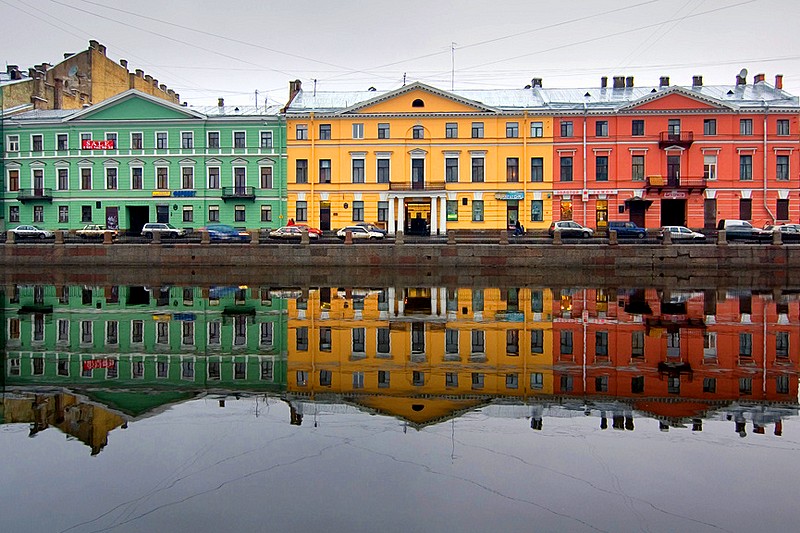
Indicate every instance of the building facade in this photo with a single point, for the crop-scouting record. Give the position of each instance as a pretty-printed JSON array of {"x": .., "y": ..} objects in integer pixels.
[{"x": 134, "y": 159}]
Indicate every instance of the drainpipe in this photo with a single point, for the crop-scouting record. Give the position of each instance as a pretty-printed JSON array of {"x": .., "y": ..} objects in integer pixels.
[
  {"x": 584, "y": 200},
  {"x": 766, "y": 206},
  {"x": 312, "y": 177}
]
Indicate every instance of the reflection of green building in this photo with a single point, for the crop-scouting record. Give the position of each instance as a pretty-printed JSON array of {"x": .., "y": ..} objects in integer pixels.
[{"x": 128, "y": 337}]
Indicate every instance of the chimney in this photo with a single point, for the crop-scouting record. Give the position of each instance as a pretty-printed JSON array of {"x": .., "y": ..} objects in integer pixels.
[
  {"x": 779, "y": 81},
  {"x": 123, "y": 63},
  {"x": 697, "y": 81},
  {"x": 629, "y": 81},
  {"x": 619, "y": 82},
  {"x": 536, "y": 82},
  {"x": 171, "y": 93},
  {"x": 741, "y": 80},
  {"x": 220, "y": 102},
  {"x": 67, "y": 55},
  {"x": 58, "y": 93},
  {"x": 155, "y": 83},
  {"x": 604, "y": 82},
  {"x": 663, "y": 81},
  {"x": 139, "y": 73},
  {"x": 94, "y": 44},
  {"x": 294, "y": 88},
  {"x": 759, "y": 78},
  {"x": 163, "y": 87},
  {"x": 101, "y": 48},
  {"x": 32, "y": 73},
  {"x": 148, "y": 78},
  {"x": 45, "y": 67}
]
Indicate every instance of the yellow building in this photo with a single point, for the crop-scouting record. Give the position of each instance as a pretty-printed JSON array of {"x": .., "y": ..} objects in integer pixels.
[
  {"x": 421, "y": 354},
  {"x": 418, "y": 159}
]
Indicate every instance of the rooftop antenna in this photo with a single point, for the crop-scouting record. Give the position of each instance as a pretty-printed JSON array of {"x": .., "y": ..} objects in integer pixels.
[
  {"x": 315, "y": 87},
  {"x": 452, "y": 65},
  {"x": 256, "y": 99},
  {"x": 404, "y": 79}
]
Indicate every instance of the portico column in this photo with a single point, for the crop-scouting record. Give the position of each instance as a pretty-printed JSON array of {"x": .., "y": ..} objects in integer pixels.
[
  {"x": 401, "y": 214},
  {"x": 442, "y": 301},
  {"x": 392, "y": 302},
  {"x": 434, "y": 301},
  {"x": 443, "y": 215},
  {"x": 390, "y": 223},
  {"x": 434, "y": 226}
]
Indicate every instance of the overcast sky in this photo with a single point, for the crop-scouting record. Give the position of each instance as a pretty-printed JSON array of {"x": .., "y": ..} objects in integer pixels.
[{"x": 207, "y": 49}]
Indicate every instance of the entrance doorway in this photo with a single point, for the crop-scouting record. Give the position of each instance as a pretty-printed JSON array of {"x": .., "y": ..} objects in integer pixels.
[
  {"x": 673, "y": 212},
  {"x": 138, "y": 215},
  {"x": 162, "y": 214},
  {"x": 112, "y": 217},
  {"x": 636, "y": 211},
  {"x": 512, "y": 213},
  {"x": 325, "y": 216},
  {"x": 710, "y": 213},
  {"x": 418, "y": 218}
]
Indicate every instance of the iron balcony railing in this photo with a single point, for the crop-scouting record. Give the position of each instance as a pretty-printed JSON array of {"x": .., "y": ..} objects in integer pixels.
[
  {"x": 238, "y": 193},
  {"x": 30, "y": 195},
  {"x": 683, "y": 139},
  {"x": 423, "y": 186}
]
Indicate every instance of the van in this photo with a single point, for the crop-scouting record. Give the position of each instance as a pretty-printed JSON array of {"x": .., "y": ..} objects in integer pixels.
[{"x": 627, "y": 230}]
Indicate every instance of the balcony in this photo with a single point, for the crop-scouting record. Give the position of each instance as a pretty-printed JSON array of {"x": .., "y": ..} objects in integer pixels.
[
  {"x": 424, "y": 186},
  {"x": 37, "y": 194},
  {"x": 238, "y": 193},
  {"x": 683, "y": 139},
  {"x": 676, "y": 183}
]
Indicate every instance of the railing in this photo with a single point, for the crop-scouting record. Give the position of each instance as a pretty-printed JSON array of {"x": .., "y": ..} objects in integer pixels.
[
  {"x": 239, "y": 192},
  {"x": 29, "y": 195},
  {"x": 684, "y": 139},
  {"x": 425, "y": 186},
  {"x": 688, "y": 183}
]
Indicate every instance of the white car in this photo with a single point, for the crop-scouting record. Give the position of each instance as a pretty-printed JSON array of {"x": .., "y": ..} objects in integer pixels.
[
  {"x": 359, "y": 232},
  {"x": 681, "y": 233},
  {"x": 31, "y": 232}
]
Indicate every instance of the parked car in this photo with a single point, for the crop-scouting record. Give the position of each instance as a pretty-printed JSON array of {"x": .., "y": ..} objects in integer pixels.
[
  {"x": 681, "y": 233},
  {"x": 223, "y": 232},
  {"x": 291, "y": 232},
  {"x": 741, "y": 230},
  {"x": 359, "y": 232},
  {"x": 311, "y": 231},
  {"x": 570, "y": 228},
  {"x": 166, "y": 230},
  {"x": 31, "y": 232},
  {"x": 96, "y": 231},
  {"x": 789, "y": 232},
  {"x": 627, "y": 230},
  {"x": 372, "y": 227}
]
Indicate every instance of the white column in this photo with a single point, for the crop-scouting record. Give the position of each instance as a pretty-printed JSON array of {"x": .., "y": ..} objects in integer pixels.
[
  {"x": 391, "y": 298},
  {"x": 400, "y": 305},
  {"x": 442, "y": 301},
  {"x": 434, "y": 226},
  {"x": 390, "y": 223},
  {"x": 401, "y": 214},
  {"x": 443, "y": 215}
]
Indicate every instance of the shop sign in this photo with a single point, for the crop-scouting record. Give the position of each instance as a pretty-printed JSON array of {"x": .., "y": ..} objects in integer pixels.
[
  {"x": 162, "y": 193},
  {"x": 674, "y": 194},
  {"x": 184, "y": 194},
  {"x": 92, "y": 364},
  {"x": 162, "y": 318},
  {"x": 88, "y": 144},
  {"x": 184, "y": 317},
  {"x": 510, "y": 195}
]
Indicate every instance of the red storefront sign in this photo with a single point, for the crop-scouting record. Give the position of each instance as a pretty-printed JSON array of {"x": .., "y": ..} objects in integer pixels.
[
  {"x": 92, "y": 364},
  {"x": 88, "y": 144}
]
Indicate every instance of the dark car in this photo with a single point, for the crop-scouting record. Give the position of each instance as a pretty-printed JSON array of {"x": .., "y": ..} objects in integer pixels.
[
  {"x": 789, "y": 232},
  {"x": 223, "y": 232},
  {"x": 569, "y": 228},
  {"x": 742, "y": 230},
  {"x": 627, "y": 230}
]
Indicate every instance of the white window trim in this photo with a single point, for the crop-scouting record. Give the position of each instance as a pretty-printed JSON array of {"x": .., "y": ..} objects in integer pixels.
[
  {"x": 155, "y": 334},
  {"x": 116, "y": 137},
  {"x": 8, "y": 142},
  {"x": 208, "y": 177},
  {"x": 130, "y": 176},
  {"x": 262, "y": 167},
  {"x": 233, "y": 139},
  {"x": 37, "y": 135},
  {"x": 105, "y": 177},
  {"x": 260, "y": 134},
  {"x": 454, "y": 155},
  {"x": 219, "y": 138},
  {"x": 34, "y": 169},
  {"x": 193, "y": 178},
  {"x": 105, "y": 340},
  {"x": 155, "y": 139},
  {"x": 56, "y": 138},
  {"x": 191, "y": 133},
  {"x": 233, "y": 174},
  {"x": 130, "y": 138},
  {"x": 155, "y": 185}
]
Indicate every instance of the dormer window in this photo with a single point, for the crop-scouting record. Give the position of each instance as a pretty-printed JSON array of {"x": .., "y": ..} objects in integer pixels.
[{"x": 418, "y": 103}]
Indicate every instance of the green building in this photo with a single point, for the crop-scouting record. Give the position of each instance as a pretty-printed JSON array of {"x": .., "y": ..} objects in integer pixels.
[{"x": 134, "y": 158}]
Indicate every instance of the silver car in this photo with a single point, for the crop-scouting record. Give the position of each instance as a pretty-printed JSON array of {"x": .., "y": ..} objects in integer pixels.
[
  {"x": 359, "y": 232},
  {"x": 30, "y": 232},
  {"x": 681, "y": 233},
  {"x": 165, "y": 230}
]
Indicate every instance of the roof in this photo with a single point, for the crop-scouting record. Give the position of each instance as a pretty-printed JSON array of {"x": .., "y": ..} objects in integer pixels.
[
  {"x": 237, "y": 111},
  {"x": 44, "y": 114}
]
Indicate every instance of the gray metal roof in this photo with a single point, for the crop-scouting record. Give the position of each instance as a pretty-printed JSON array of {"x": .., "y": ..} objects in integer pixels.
[
  {"x": 237, "y": 111},
  {"x": 44, "y": 114}
]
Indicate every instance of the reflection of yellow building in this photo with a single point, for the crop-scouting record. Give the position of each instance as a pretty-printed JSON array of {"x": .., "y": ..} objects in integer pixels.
[
  {"x": 418, "y": 159},
  {"x": 421, "y": 353}
]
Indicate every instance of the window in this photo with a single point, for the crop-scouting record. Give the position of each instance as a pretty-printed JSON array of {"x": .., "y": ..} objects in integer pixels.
[
  {"x": 478, "y": 341},
  {"x": 383, "y": 131},
  {"x": 63, "y": 214},
  {"x": 162, "y": 178},
  {"x": 187, "y": 139},
  {"x": 710, "y": 167},
  {"x": 601, "y": 128},
  {"x": 62, "y": 141},
  {"x": 266, "y": 213},
  {"x": 746, "y": 167},
  {"x": 86, "y": 179},
  {"x": 213, "y": 177},
  {"x": 637, "y": 128},
  {"x": 383, "y": 170},
  {"x": 301, "y": 132},
  {"x": 324, "y": 170},
  {"x": 537, "y": 208},
  {"x": 63, "y": 179},
  {"x": 239, "y": 139},
  {"x": 187, "y": 178},
  {"x": 358, "y": 130},
  {"x": 36, "y": 143},
  {"x": 161, "y": 140},
  {"x": 213, "y": 139},
  {"x": 782, "y": 209},
  {"x": 477, "y": 130},
  {"x": 782, "y": 384},
  {"x": 112, "y": 332},
  {"x": 383, "y": 211},
  {"x": 359, "y": 340},
  {"x": 86, "y": 213},
  {"x": 477, "y": 210},
  {"x": 417, "y": 103},
  {"x": 113, "y": 138},
  {"x": 188, "y": 213},
  {"x": 13, "y": 180},
  {"x": 537, "y": 380},
  {"x": 601, "y": 343},
  {"x": 13, "y": 213},
  {"x": 637, "y": 344},
  {"x": 710, "y": 126},
  {"x": 745, "y": 345},
  {"x": 266, "y": 139},
  {"x": 418, "y": 132},
  {"x": 383, "y": 379},
  {"x": 477, "y": 170},
  {"x": 452, "y": 210},
  {"x": 512, "y": 130},
  {"x": 383, "y": 341},
  {"x": 213, "y": 213},
  {"x": 537, "y": 341},
  {"x": 214, "y": 332},
  {"x": 136, "y": 141},
  {"x": 566, "y": 342},
  {"x": 451, "y": 169},
  {"x": 38, "y": 213},
  {"x": 782, "y": 168},
  {"x": 537, "y": 169},
  {"x": 512, "y": 342},
  {"x": 358, "y": 211},
  {"x": 358, "y": 171},
  {"x": 566, "y": 128},
  {"x": 567, "y": 383},
  {"x": 12, "y": 143},
  {"x": 601, "y": 168},
  {"x": 746, "y": 126},
  {"x": 566, "y": 168},
  {"x": 637, "y": 168},
  {"x": 239, "y": 214},
  {"x": 674, "y": 126},
  {"x": 477, "y": 300},
  {"x": 301, "y": 211},
  {"x": 266, "y": 177},
  {"x": 782, "y": 127},
  {"x": 111, "y": 178},
  {"x": 782, "y": 344},
  {"x": 537, "y": 129},
  {"x": 301, "y": 171},
  {"x": 451, "y": 130},
  {"x": 745, "y": 385},
  {"x": 637, "y": 384},
  {"x": 512, "y": 169}
]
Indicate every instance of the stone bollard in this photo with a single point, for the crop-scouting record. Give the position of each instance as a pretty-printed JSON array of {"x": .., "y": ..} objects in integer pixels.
[
  {"x": 254, "y": 238},
  {"x": 205, "y": 238},
  {"x": 721, "y": 238},
  {"x": 612, "y": 238},
  {"x": 398, "y": 237},
  {"x": 667, "y": 240},
  {"x": 777, "y": 237},
  {"x": 59, "y": 235},
  {"x": 11, "y": 237},
  {"x": 503, "y": 237},
  {"x": 304, "y": 239},
  {"x": 108, "y": 237},
  {"x": 156, "y": 238},
  {"x": 451, "y": 237},
  {"x": 348, "y": 237},
  {"x": 557, "y": 237}
]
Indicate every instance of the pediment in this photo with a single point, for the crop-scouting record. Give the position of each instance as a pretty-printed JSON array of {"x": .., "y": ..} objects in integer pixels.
[
  {"x": 676, "y": 99},
  {"x": 418, "y": 98},
  {"x": 419, "y": 411},
  {"x": 134, "y": 105}
]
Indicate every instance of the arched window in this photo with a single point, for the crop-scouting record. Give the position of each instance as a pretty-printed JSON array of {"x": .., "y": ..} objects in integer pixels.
[{"x": 418, "y": 103}]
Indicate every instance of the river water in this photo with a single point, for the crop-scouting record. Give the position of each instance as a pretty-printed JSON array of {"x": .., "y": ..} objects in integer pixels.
[{"x": 405, "y": 408}]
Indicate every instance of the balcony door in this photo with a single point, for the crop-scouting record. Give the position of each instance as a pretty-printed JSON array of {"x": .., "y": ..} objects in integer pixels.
[
  {"x": 418, "y": 174},
  {"x": 673, "y": 170}
]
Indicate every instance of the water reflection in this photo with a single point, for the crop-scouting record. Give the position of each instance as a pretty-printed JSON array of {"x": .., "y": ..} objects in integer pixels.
[{"x": 87, "y": 359}]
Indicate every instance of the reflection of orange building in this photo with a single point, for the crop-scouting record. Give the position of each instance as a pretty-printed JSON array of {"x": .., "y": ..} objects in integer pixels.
[{"x": 88, "y": 423}]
